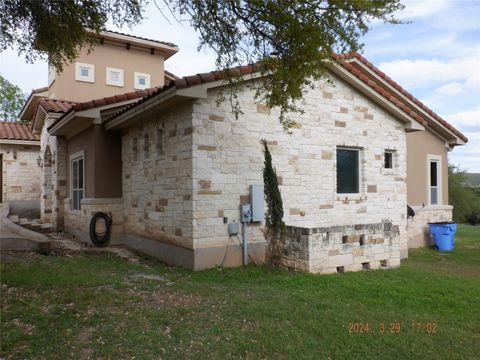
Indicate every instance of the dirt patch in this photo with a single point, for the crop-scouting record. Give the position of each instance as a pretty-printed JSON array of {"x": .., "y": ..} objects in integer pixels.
[
  {"x": 25, "y": 328},
  {"x": 66, "y": 245},
  {"x": 85, "y": 334}
]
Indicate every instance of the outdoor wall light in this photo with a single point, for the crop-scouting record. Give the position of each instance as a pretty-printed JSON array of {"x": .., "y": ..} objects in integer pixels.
[{"x": 39, "y": 161}]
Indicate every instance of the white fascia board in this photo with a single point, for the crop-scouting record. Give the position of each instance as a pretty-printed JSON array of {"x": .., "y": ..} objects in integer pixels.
[{"x": 20, "y": 142}]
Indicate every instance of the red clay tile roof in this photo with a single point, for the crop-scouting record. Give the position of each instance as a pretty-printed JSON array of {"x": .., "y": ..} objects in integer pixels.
[
  {"x": 360, "y": 73},
  {"x": 55, "y": 106},
  {"x": 187, "y": 81},
  {"x": 65, "y": 107},
  {"x": 16, "y": 131}
]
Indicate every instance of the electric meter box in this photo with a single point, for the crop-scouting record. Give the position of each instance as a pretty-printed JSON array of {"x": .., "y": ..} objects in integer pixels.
[{"x": 257, "y": 203}]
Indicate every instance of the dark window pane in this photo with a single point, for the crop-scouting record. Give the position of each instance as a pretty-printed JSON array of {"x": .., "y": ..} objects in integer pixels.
[
  {"x": 80, "y": 174},
  {"x": 433, "y": 173},
  {"x": 75, "y": 174},
  {"x": 347, "y": 171},
  {"x": 388, "y": 160}
]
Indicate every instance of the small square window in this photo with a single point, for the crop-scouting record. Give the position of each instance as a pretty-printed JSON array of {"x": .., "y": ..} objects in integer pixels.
[
  {"x": 114, "y": 76},
  {"x": 141, "y": 81},
  {"x": 388, "y": 159},
  {"x": 84, "y": 72}
]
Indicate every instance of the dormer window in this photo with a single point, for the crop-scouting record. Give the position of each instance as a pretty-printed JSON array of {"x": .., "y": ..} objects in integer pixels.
[
  {"x": 114, "y": 76},
  {"x": 85, "y": 72},
  {"x": 141, "y": 81}
]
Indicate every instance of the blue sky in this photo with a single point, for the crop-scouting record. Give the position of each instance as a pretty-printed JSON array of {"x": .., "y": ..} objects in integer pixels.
[{"x": 436, "y": 56}]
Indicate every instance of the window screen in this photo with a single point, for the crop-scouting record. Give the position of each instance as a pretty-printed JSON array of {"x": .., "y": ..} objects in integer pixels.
[{"x": 347, "y": 171}]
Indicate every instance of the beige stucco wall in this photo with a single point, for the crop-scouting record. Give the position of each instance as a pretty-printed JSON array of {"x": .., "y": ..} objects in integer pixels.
[
  {"x": 102, "y": 160},
  {"x": 420, "y": 144},
  {"x": 21, "y": 174},
  {"x": 65, "y": 86}
]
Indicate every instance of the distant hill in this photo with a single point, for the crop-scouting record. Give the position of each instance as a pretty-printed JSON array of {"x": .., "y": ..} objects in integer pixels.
[{"x": 472, "y": 179}]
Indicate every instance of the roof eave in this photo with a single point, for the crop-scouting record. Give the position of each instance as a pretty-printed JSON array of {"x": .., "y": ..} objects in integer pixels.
[
  {"x": 166, "y": 50},
  {"x": 74, "y": 122}
]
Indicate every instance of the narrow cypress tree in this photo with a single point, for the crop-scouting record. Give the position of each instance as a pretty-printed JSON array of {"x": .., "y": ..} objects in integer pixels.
[{"x": 274, "y": 214}]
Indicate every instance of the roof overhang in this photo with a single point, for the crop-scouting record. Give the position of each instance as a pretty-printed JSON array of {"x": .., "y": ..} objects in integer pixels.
[
  {"x": 28, "y": 110},
  {"x": 409, "y": 123},
  {"x": 74, "y": 122},
  {"x": 164, "y": 49},
  {"x": 165, "y": 100}
]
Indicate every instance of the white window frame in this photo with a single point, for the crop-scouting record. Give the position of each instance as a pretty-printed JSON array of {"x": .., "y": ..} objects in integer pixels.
[
  {"x": 78, "y": 72},
  {"x": 438, "y": 160},
  {"x": 136, "y": 80},
  {"x": 111, "y": 82},
  {"x": 358, "y": 150},
  {"x": 80, "y": 155}
]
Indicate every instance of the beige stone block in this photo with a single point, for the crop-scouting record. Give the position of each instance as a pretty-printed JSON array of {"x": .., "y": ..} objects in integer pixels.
[
  {"x": 340, "y": 123},
  {"x": 326, "y": 206},
  {"x": 327, "y": 155},
  {"x": 353, "y": 267},
  {"x": 207, "y": 147},
  {"x": 294, "y": 211},
  {"x": 216, "y": 118},
  {"x": 263, "y": 109},
  {"x": 372, "y": 188}
]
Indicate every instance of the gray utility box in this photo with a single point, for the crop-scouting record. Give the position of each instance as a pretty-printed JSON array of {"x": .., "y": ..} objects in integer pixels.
[{"x": 257, "y": 203}]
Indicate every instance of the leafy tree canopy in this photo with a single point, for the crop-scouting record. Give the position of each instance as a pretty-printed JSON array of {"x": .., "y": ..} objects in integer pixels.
[
  {"x": 12, "y": 99},
  {"x": 290, "y": 41}
]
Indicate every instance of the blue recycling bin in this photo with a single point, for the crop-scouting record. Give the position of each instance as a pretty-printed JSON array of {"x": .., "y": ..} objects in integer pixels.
[{"x": 443, "y": 234}]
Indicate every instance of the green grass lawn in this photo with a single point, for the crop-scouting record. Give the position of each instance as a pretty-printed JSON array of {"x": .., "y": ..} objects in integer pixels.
[{"x": 59, "y": 307}]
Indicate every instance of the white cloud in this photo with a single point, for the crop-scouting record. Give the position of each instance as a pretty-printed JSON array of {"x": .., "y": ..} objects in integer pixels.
[
  {"x": 413, "y": 73},
  {"x": 422, "y": 8},
  {"x": 453, "y": 88},
  {"x": 467, "y": 156},
  {"x": 25, "y": 75},
  {"x": 469, "y": 120}
]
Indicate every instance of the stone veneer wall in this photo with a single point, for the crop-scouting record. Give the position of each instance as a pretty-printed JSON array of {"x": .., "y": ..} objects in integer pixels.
[
  {"x": 157, "y": 190},
  {"x": 342, "y": 248},
  {"x": 77, "y": 222},
  {"x": 417, "y": 227},
  {"x": 54, "y": 176},
  {"x": 21, "y": 173},
  {"x": 228, "y": 157}
]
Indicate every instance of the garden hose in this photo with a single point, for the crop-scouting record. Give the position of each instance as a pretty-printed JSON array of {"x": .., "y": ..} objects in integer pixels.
[{"x": 100, "y": 239}]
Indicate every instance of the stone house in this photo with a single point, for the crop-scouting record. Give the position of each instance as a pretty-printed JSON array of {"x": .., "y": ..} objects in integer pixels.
[
  {"x": 173, "y": 167},
  {"x": 19, "y": 166}
]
